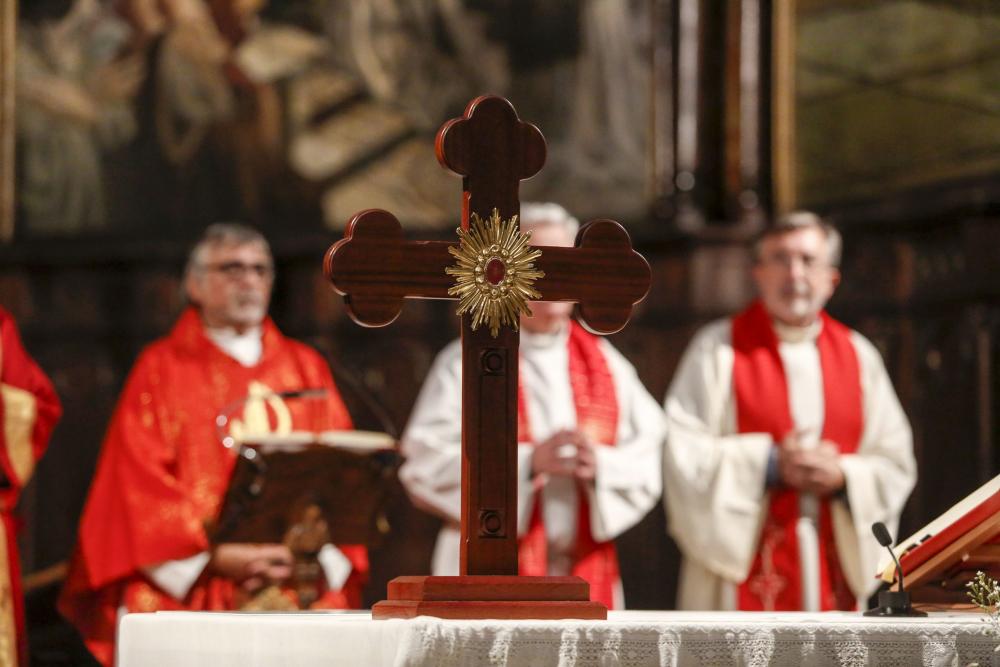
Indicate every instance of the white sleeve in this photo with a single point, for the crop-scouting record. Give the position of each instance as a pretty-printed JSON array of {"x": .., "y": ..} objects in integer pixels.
[
  {"x": 714, "y": 479},
  {"x": 525, "y": 486},
  {"x": 432, "y": 441},
  {"x": 629, "y": 480},
  {"x": 176, "y": 577},
  {"x": 336, "y": 566},
  {"x": 879, "y": 477},
  {"x": 432, "y": 445}
]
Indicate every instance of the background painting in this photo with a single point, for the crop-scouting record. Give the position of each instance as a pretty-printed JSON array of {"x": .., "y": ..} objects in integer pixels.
[
  {"x": 155, "y": 117},
  {"x": 895, "y": 95}
]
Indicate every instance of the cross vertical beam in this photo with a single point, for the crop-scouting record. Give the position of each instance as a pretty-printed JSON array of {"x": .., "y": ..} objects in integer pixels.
[
  {"x": 489, "y": 451},
  {"x": 493, "y": 151},
  {"x": 376, "y": 269}
]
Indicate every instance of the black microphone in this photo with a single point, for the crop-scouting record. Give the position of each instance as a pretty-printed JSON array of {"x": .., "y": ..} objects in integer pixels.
[
  {"x": 882, "y": 534},
  {"x": 891, "y": 603},
  {"x": 885, "y": 539}
]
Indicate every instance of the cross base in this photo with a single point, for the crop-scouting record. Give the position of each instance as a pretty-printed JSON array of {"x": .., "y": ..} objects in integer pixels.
[{"x": 490, "y": 596}]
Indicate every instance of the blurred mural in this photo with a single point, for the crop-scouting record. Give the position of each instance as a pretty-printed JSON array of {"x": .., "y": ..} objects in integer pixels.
[
  {"x": 145, "y": 117},
  {"x": 895, "y": 94}
]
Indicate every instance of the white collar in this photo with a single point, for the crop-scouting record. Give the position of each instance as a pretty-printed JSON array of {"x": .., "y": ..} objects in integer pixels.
[
  {"x": 538, "y": 341},
  {"x": 789, "y": 333},
  {"x": 246, "y": 347}
]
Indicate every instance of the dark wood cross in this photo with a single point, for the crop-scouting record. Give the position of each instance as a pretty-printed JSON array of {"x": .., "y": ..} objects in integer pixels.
[{"x": 375, "y": 269}]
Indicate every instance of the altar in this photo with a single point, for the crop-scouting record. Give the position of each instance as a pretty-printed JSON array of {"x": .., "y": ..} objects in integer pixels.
[{"x": 627, "y": 638}]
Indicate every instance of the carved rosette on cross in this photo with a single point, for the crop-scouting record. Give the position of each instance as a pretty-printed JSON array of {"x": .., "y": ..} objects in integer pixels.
[{"x": 495, "y": 272}]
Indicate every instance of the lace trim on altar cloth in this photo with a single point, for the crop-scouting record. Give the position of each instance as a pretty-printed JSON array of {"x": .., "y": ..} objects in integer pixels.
[{"x": 880, "y": 642}]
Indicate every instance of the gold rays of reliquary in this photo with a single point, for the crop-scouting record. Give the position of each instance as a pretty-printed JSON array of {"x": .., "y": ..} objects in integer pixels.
[{"x": 495, "y": 272}]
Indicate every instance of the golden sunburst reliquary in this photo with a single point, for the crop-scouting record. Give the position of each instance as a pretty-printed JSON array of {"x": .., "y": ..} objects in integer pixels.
[{"x": 495, "y": 272}]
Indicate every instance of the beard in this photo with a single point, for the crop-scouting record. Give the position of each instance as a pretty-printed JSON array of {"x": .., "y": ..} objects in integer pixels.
[
  {"x": 800, "y": 306},
  {"x": 547, "y": 317},
  {"x": 798, "y": 300},
  {"x": 248, "y": 309}
]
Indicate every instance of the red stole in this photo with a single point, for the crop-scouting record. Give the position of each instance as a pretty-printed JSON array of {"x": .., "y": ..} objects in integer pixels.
[
  {"x": 761, "y": 393},
  {"x": 29, "y": 410},
  {"x": 162, "y": 473},
  {"x": 597, "y": 416}
]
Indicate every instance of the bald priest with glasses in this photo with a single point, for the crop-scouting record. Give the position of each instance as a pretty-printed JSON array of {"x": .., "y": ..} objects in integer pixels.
[{"x": 162, "y": 471}]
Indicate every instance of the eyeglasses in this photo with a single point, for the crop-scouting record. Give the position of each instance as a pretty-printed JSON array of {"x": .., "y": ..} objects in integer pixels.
[
  {"x": 810, "y": 263},
  {"x": 237, "y": 270}
]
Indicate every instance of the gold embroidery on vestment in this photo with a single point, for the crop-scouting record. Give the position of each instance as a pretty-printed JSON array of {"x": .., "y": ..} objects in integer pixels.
[
  {"x": 256, "y": 418},
  {"x": 145, "y": 599},
  {"x": 8, "y": 623},
  {"x": 20, "y": 410}
]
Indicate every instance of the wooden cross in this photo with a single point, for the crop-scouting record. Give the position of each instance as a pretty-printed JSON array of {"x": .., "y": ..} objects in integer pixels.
[{"x": 375, "y": 269}]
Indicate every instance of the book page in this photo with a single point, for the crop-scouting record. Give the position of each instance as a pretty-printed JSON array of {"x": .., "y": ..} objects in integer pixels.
[
  {"x": 362, "y": 442},
  {"x": 886, "y": 566}
]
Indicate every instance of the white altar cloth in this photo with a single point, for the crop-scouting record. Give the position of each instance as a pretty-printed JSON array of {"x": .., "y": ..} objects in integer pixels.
[{"x": 314, "y": 639}]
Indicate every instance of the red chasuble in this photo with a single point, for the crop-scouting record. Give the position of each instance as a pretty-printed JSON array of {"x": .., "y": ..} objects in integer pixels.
[
  {"x": 597, "y": 416},
  {"x": 761, "y": 393},
  {"x": 29, "y": 410},
  {"x": 162, "y": 474}
]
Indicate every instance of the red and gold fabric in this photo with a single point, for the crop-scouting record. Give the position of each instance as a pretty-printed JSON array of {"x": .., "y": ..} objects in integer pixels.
[
  {"x": 162, "y": 474},
  {"x": 596, "y": 415},
  {"x": 29, "y": 410},
  {"x": 762, "y": 406}
]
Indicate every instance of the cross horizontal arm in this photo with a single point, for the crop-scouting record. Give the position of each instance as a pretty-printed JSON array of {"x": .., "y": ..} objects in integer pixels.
[
  {"x": 376, "y": 269},
  {"x": 602, "y": 273}
]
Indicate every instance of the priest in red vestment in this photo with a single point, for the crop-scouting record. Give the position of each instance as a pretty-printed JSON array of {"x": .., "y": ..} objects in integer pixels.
[
  {"x": 785, "y": 442},
  {"x": 589, "y": 439},
  {"x": 162, "y": 471},
  {"x": 29, "y": 409}
]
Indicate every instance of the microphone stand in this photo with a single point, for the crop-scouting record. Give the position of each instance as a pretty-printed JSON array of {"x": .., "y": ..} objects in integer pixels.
[{"x": 892, "y": 603}]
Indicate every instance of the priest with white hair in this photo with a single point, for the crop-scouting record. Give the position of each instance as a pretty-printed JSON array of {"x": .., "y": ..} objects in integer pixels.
[
  {"x": 785, "y": 442},
  {"x": 589, "y": 441}
]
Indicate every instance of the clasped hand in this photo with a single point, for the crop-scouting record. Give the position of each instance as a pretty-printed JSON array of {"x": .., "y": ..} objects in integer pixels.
[
  {"x": 252, "y": 566},
  {"x": 815, "y": 470},
  {"x": 567, "y": 453}
]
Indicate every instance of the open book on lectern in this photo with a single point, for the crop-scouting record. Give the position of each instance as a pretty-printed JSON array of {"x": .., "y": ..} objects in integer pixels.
[
  {"x": 942, "y": 556},
  {"x": 358, "y": 442},
  {"x": 346, "y": 475},
  {"x": 293, "y": 472}
]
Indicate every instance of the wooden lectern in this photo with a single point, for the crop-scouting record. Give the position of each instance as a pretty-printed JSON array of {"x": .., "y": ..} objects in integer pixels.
[
  {"x": 493, "y": 270},
  {"x": 302, "y": 488},
  {"x": 273, "y": 484},
  {"x": 940, "y": 558}
]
